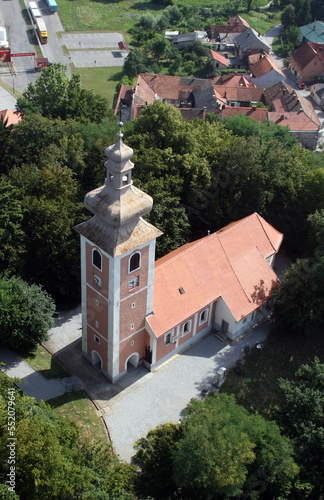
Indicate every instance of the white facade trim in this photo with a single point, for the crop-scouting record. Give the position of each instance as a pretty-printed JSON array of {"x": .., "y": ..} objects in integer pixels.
[
  {"x": 84, "y": 294},
  {"x": 132, "y": 335}
]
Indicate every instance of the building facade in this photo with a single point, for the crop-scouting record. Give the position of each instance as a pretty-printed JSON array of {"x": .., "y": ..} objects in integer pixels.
[{"x": 136, "y": 309}]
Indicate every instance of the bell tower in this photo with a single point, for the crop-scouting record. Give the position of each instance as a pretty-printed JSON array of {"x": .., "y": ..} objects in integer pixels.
[{"x": 117, "y": 267}]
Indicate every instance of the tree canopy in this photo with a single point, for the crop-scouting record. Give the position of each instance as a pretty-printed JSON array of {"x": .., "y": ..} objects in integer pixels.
[
  {"x": 26, "y": 314},
  {"x": 301, "y": 416},
  {"x": 53, "y": 459},
  {"x": 218, "y": 450},
  {"x": 54, "y": 95}
]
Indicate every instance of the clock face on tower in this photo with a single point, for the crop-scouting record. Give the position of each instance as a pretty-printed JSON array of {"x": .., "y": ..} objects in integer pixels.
[{"x": 133, "y": 282}]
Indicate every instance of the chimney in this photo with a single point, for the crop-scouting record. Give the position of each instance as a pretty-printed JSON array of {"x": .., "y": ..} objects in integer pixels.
[{"x": 314, "y": 27}]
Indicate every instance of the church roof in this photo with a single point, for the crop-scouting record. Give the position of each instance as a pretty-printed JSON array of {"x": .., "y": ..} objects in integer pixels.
[{"x": 229, "y": 263}]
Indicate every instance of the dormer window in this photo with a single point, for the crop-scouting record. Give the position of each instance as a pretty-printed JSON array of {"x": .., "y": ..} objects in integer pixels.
[
  {"x": 96, "y": 259},
  {"x": 135, "y": 262}
]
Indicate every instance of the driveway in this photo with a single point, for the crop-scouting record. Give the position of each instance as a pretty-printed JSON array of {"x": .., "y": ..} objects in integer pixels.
[{"x": 162, "y": 396}]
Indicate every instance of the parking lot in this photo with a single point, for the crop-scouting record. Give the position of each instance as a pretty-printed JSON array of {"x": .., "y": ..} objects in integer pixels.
[{"x": 87, "y": 50}]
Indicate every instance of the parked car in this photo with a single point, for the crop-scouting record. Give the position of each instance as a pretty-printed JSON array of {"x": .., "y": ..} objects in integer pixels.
[{"x": 301, "y": 85}]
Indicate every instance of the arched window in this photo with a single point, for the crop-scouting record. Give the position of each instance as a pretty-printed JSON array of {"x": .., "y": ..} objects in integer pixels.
[
  {"x": 96, "y": 259},
  {"x": 135, "y": 262},
  {"x": 168, "y": 339},
  {"x": 186, "y": 328},
  {"x": 203, "y": 316}
]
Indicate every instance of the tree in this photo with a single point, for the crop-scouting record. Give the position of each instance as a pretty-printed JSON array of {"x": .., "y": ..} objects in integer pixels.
[
  {"x": 26, "y": 314},
  {"x": 135, "y": 63},
  {"x": 154, "y": 458},
  {"x": 12, "y": 235},
  {"x": 50, "y": 208},
  {"x": 5, "y": 150},
  {"x": 60, "y": 97},
  {"x": 53, "y": 459},
  {"x": 288, "y": 16},
  {"x": 226, "y": 451},
  {"x": 292, "y": 39},
  {"x": 301, "y": 415},
  {"x": 298, "y": 300}
]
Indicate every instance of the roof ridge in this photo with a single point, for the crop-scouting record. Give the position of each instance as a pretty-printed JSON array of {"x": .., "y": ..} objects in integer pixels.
[{"x": 258, "y": 217}]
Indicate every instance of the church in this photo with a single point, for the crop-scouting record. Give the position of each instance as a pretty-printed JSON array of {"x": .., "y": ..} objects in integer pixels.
[{"x": 138, "y": 310}]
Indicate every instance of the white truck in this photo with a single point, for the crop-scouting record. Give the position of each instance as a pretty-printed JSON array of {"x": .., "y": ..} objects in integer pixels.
[{"x": 4, "y": 44}]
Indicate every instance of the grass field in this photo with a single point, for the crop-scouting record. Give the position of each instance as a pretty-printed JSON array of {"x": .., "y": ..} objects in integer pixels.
[
  {"x": 255, "y": 384},
  {"x": 77, "y": 406},
  {"x": 85, "y": 15},
  {"x": 46, "y": 365},
  {"x": 102, "y": 80},
  {"x": 262, "y": 23}
]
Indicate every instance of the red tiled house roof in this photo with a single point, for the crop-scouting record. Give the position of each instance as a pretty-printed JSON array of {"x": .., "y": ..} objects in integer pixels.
[{"x": 229, "y": 263}]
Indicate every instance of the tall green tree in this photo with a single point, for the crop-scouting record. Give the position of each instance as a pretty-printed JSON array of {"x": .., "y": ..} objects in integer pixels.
[
  {"x": 154, "y": 458},
  {"x": 12, "y": 235},
  {"x": 50, "y": 209},
  {"x": 26, "y": 314},
  {"x": 60, "y": 97},
  {"x": 301, "y": 415}
]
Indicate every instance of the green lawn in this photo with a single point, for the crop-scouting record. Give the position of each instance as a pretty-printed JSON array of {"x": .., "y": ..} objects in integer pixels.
[
  {"x": 77, "y": 406},
  {"x": 85, "y": 15},
  {"x": 276, "y": 46},
  {"x": 46, "y": 365},
  {"x": 255, "y": 385},
  {"x": 103, "y": 81},
  {"x": 262, "y": 24}
]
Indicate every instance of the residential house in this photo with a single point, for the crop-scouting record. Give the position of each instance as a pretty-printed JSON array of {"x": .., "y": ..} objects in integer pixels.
[
  {"x": 234, "y": 26},
  {"x": 317, "y": 93},
  {"x": 250, "y": 40},
  {"x": 11, "y": 115},
  {"x": 218, "y": 61},
  {"x": 264, "y": 71},
  {"x": 305, "y": 130},
  {"x": 313, "y": 32},
  {"x": 307, "y": 62},
  {"x": 291, "y": 109},
  {"x": 184, "y": 39},
  {"x": 136, "y": 310},
  {"x": 181, "y": 92}
]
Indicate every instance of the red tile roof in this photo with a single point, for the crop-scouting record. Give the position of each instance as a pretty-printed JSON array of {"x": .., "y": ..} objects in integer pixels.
[
  {"x": 12, "y": 116},
  {"x": 238, "y": 20},
  {"x": 306, "y": 53},
  {"x": 258, "y": 114},
  {"x": 219, "y": 57},
  {"x": 296, "y": 121},
  {"x": 229, "y": 263},
  {"x": 242, "y": 94},
  {"x": 261, "y": 64},
  {"x": 232, "y": 80}
]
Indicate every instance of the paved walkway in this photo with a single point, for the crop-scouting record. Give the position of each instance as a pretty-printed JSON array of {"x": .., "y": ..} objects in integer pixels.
[{"x": 32, "y": 382}]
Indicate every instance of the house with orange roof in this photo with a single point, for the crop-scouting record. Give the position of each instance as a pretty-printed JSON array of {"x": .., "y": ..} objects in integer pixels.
[
  {"x": 12, "y": 117},
  {"x": 307, "y": 62},
  {"x": 217, "y": 60},
  {"x": 138, "y": 310},
  {"x": 264, "y": 71},
  {"x": 300, "y": 125}
]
